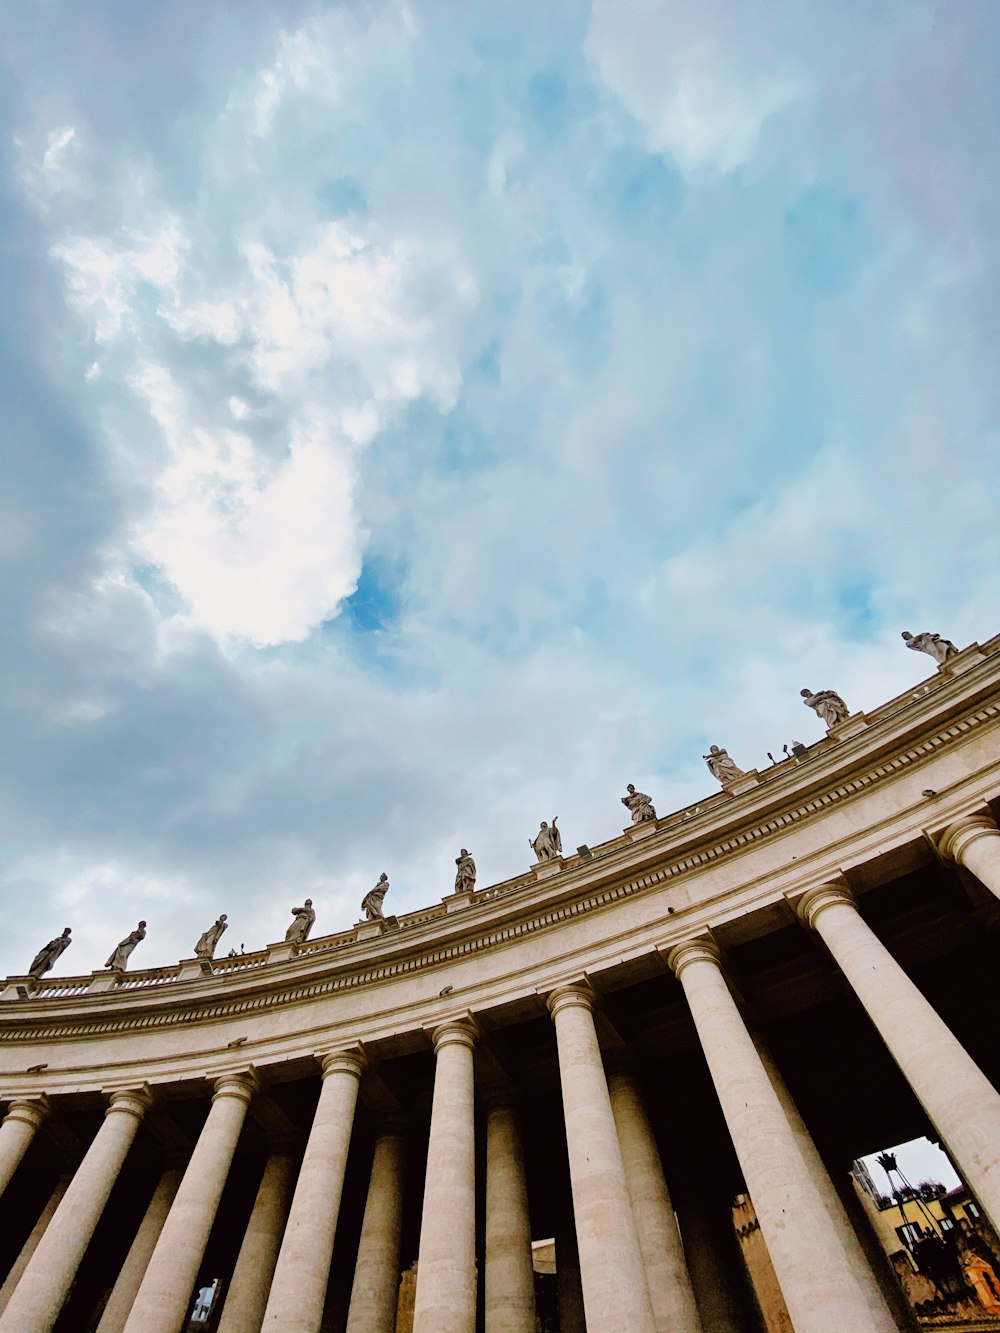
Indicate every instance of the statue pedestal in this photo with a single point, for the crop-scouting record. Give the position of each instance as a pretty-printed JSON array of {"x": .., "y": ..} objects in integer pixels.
[
  {"x": 192, "y": 969},
  {"x": 635, "y": 832},
  {"x": 739, "y": 785},
  {"x": 851, "y": 726},
  {"x": 961, "y": 661},
  {"x": 102, "y": 979},
  {"x": 19, "y": 988},
  {"x": 545, "y": 869},
  {"x": 370, "y": 930},
  {"x": 281, "y": 953},
  {"x": 454, "y": 902}
]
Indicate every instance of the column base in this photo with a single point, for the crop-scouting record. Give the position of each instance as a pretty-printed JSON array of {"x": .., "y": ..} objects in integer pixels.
[
  {"x": 962, "y": 661},
  {"x": 738, "y": 786},
  {"x": 851, "y": 726}
]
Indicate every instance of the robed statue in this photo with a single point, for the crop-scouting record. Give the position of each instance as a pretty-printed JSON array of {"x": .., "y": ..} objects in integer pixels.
[
  {"x": 304, "y": 916},
  {"x": 932, "y": 644},
  {"x": 547, "y": 842},
  {"x": 828, "y": 705},
  {"x": 371, "y": 903},
  {"x": 119, "y": 959},
  {"x": 638, "y": 804},
  {"x": 45, "y": 958},
  {"x": 208, "y": 943},
  {"x": 465, "y": 875},
  {"x": 721, "y": 766}
]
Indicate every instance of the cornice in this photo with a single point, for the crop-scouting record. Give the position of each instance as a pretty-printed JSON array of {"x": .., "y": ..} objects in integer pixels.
[{"x": 527, "y": 910}]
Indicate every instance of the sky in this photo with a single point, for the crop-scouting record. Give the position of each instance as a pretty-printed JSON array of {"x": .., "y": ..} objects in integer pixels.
[{"x": 420, "y": 421}]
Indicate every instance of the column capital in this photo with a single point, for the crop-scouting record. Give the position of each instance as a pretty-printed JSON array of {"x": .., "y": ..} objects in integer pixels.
[
  {"x": 817, "y": 900},
  {"x": 578, "y": 994},
  {"x": 242, "y": 1085},
  {"x": 29, "y": 1110},
  {"x": 348, "y": 1060},
  {"x": 455, "y": 1032},
  {"x": 960, "y": 833},
  {"x": 133, "y": 1101},
  {"x": 703, "y": 949}
]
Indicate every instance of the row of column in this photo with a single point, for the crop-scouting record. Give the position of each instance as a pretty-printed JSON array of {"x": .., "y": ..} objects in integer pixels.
[{"x": 632, "y": 1267}]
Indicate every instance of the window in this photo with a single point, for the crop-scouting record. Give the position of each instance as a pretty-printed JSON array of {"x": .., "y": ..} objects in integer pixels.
[
  {"x": 909, "y": 1234},
  {"x": 972, "y": 1209},
  {"x": 947, "y": 1224}
]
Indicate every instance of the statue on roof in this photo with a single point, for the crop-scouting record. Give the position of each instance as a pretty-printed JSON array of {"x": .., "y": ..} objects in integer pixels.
[
  {"x": 465, "y": 875},
  {"x": 208, "y": 942},
  {"x": 45, "y": 958},
  {"x": 371, "y": 903},
  {"x": 932, "y": 644},
  {"x": 828, "y": 705},
  {"x": 721, "y": 766},
  {"x": 304, "y": 918},
  {"x": 119, "y": 958},
  {"x": 547, "y": 842},
  {"x": 639, "y": 805}
]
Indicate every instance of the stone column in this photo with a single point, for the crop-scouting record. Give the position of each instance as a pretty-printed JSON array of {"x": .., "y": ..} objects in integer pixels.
[
  {"x": 165, "y": 1292},
  {"x": 446, "y": 1269},
  {"x": 19, "y": 1127},
  {"x": 825, "y": 1296},
  {"x": 962, "y": 1104},
  {"x": 298, "y": 1288},
  {"x": 670, "y": 1290},
  {"x": 35, "y": 1304},
  {"x": 31, "y": 1244},
  {"x": 243, "y": 1311},
  {"x": 726, "y": 1299},
  {"x": 974, "y": 842},
  {"x": 140, "y": 1252},
  {"x": 510, "y": 1274},
  {"x": 615, "y": 1294},
  {"x": 569, "y": 1288},
  {"x": 376, "y": 1272}
]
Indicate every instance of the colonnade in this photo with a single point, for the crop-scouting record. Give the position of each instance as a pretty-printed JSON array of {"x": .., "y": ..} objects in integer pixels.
[{"x": 633, "y": 1265}]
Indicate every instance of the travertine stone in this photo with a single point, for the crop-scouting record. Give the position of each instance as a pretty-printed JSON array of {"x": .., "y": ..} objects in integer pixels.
[
  {"x": 35, "y": 1304},
  {"x": 121, "y": 953},
  {"x": 638, "y": 804},
  {"x": 880, "y": 1313},
  {"x": 31, "y": 1244},
  {"x": 670, "y": 1291},
  {"x": 304, "y": 920},
  {"x": 376, "y": 1272},
  {"x": 547, "y": 842},
  {"x": 721, "y": 766},
  {"x": 961, "y": 1102},
  {"x": 45, "y": 959},
  {"x": 133, "y": 1270},
  {"x": 510, "y": 1277},
  {"x": 165, "y": 1291},
  {"x": 569, "y": 1288},
  {"x": 19, "y": 1127},
  {"x": 446, "y": 1271},
  {"x": 371, "y": 903},
  {"x": 246, "y": 1298},
  {"x": 208, "y": 941},
  {"x": 827, "y": 705},
  {"x": 851, "y": 726},
  {"x": 465, "y": 873},
  {"x": 747, "y": 782},
  {"x": 826, "y": 1297},
  {"x": 298, "y": 1288},
  {"x": 615, "y": 1295},
  {"x": 962, "y": 661},
  {"x": 932, "y": 644},
  {"x": 974, "y": 842}
]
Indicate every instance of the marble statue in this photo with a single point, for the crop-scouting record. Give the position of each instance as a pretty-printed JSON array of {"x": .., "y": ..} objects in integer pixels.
[
  {"x": 932, "y": 644},
  {"x": 547, "y": 842},
  {"x": 45, "y": 958},
  {"x": 298, "y": 931},
  {"x": 828, "y": 705},
  {"x": 721, "y": 766},
  {"x": 208, "y": 943},
  {"x": 465, "y": 875},
  {"x": 119, "y": 959},
  {"x": 639, "y": 805},
  {"x": 371, "y": 903}
]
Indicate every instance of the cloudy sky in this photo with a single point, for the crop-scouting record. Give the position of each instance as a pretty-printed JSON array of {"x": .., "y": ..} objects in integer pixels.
[{"x": 420, "y": 421}]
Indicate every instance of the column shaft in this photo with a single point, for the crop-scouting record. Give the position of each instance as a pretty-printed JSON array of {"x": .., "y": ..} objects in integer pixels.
[
  {"x": 31, "y": 1244},
  {"x": 615, "y": 1294},
  {"x": 670, "y": 1291},
  {"x": 376, "y": 1273},
  {"x": 246, "y": 1299},
  {"x": 569, "y": 1287},
  {"x": 19, "y": 1127},
  {"x": 822, "y": 1297},
  {"x": 35, "y": 1304},
  {"x": 959, "y": 1099},
  {"x": 164, "y": 1295},
  {"x": 446, "y": 1272},
  {"x": 298, "y": 1288},
  {"x": 510, "y": 1274},
  {"x": 133, "y": 1270}
]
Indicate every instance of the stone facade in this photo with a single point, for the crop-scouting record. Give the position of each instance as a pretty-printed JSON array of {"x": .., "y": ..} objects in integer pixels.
[{"x": 603, "y": 1051}]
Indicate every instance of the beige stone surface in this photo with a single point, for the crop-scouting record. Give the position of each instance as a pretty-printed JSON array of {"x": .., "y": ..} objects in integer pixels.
[
  {"x": 510, "y": 1277},
  {"x": 19, "y": 1127},
  {"x": 133, "y": 1270},
  {"x": 374, "y": 1293},
  {"x": 246, "y": 1298},
  {"x": 31, "y": 1244}
]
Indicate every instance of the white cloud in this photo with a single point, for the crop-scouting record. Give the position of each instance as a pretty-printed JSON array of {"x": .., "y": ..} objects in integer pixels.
[{"x": 698, "y": 78}]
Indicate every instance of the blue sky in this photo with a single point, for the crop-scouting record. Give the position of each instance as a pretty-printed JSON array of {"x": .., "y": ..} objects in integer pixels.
[{"x": 420, "y": 421}]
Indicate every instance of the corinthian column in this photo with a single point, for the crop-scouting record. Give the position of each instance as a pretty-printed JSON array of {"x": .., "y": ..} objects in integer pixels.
[
  {"x": 376, "y": 1272},
  {"x": 823, "y": 1296},
  {"x": 510, "y": 1273},
  {"x": 243, "y": 1311},
  {"x": 19, "y": 1127},
  {"x": 165, "y": 1291},
  {"x": 961, "y": 1102},
  {"x": 298, "y": 1288},
  {"x": 137, "y": 1260},
  {"x": 446, "y": 1272},
  {"x": 974, "y": 842},
  {"x": 670, "y": 1290},
  {"x": 34, "y": 1307},
  {"x": 615, "y": 1294}
]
